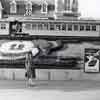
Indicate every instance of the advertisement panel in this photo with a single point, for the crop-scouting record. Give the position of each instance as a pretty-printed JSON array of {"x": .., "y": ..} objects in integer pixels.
[{"x": 91, "y": 60}]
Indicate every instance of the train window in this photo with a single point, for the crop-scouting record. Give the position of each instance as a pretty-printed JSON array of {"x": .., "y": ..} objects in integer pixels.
[
  {"x": 52, "y": 27},
  {"x": 34, "y": 26},
  {"x": 58, "y": 27},
  {"x": 45, "y": 26},
  {"x": 75, "y": 27},
  {"x": 94, "y": 28},
  {"x": 3, "y": 26},
  {"x": 29, "y": 8},
  {"x": 63, "y": 26},
  {"x": 44, "y": 7},
  {"x": 40, "y": 26},
  {"x": 13, "y": 7},
  {"x": 28, "y": 26},
  {"x": 69, "y": 27},
  {"x": 81, "y": 27},
  {"x": 87, "y": 27}
]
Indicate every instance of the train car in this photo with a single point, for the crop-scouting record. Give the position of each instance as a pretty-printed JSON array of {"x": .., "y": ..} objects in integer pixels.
[
  {"x": 62, "y": 27},
  {"x": 51, "y": 18}
]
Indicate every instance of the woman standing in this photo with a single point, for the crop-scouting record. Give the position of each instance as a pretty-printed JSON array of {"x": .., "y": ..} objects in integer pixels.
[{"x": 30, "y": 67}]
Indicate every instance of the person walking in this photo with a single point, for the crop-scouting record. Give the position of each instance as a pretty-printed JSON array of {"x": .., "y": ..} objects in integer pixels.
[{"x": 30, "y": 67}]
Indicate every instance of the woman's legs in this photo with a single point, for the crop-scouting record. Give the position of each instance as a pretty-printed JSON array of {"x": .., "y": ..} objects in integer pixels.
[{"x": 30, "y": 71}]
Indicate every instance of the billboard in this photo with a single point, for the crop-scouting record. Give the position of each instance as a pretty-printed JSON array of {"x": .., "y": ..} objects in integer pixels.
[{"x": 92, "y": 60}]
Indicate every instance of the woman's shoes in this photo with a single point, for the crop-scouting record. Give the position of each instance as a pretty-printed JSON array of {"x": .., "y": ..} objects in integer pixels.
[{"x": 31, "y": 82}]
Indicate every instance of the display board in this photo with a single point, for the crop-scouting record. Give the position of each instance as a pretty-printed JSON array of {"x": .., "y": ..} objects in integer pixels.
[{"x": 92, "y": 60}]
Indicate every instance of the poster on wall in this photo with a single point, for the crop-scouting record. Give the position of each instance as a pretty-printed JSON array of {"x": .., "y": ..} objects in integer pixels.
[{"x": 92, "y": 60}]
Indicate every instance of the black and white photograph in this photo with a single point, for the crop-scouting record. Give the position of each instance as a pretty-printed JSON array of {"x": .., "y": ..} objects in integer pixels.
[{"x": 49, "y": 49}]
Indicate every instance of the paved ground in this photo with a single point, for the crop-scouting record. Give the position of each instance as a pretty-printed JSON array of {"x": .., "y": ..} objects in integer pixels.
[{"x": 50, "y": 90}]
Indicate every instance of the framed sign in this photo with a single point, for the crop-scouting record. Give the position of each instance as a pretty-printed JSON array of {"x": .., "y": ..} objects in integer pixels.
[{"x": 92, "y": 60}]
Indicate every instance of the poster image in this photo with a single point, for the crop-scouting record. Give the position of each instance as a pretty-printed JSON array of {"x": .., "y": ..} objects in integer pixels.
[{"x": 92, "y": 60}]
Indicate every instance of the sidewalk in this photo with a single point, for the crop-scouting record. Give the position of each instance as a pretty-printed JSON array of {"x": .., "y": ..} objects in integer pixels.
[
  {"x": 52, "y": 85},
  {"x": 50, "y": 90}
]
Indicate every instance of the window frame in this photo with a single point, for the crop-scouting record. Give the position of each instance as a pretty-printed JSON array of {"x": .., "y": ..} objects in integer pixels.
[
  {"x": 45, "y": 26},
  {"x": 13, "y": 7},
  {"x": 93, "y": 28},
  {"x": 29, "y": 26},
  {"x": 70, "y": 28},
  {"x": 3, "y": 26},
  {"x": 88, "y": 28},
  {"x": 64, "y": 28},
  {"x": 34, "y": 26},
  {"x": 82, "y": 29},
  {"x": 28, "y": 8},
  {"x": 40, "y": 26},
  {"x": 58, "y": 27},
  {"x": 77, "y": 29},
  {"x": 46, "y": 7},
  {"x": 53, "y": 27}
]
